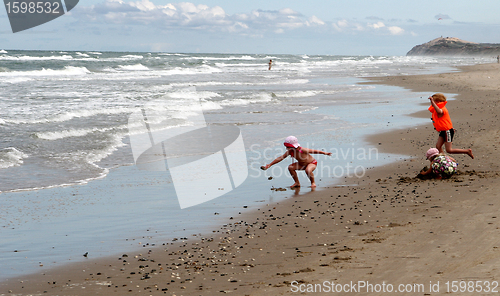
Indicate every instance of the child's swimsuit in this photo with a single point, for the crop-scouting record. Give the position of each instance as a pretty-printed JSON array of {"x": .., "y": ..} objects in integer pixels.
[
  {"x": 443, "y": 166},
  {"x": 447, "y": 135}
]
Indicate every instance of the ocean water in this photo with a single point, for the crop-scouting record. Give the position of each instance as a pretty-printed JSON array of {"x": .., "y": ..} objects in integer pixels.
[
  {"x": 64, "y": 115},
  {"x": 69, "y": 183}
]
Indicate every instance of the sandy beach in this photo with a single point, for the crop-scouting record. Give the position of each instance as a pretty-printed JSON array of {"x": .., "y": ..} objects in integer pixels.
[{"x": 390, "y": 230}]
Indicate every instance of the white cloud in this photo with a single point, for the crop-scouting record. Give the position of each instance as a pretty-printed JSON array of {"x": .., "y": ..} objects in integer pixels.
[
  {"x": 393, "y": 30},
  {"x": 396, "y": 30},
  {"x": 358, "y": 27},
  {"x": 377, "y": 25},
  {"x": 313, "y": 20},
  {"x": 189, "y": 15},
  {"x": 288, "y": 11},
  {"x": 340, "y": 25},
  {"x": 144, "y": 5},
  {"x": 237, "y": 26},
  {"x": 348, "y": 26}
]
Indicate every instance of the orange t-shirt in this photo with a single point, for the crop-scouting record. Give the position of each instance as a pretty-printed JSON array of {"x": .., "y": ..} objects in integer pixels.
[{"x": 442, "y": 123}]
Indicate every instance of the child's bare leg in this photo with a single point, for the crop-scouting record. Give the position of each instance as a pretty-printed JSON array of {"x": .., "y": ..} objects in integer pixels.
[
  {"x": 292, "y": 169},
  {"x": 449, "y": 149},
  {"x": 309, "y": 171},
  {"x": 439, "y": 144},
  {"x": 469, "y": 152}
]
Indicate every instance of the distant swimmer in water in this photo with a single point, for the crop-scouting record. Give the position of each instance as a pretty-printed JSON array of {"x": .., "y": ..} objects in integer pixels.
[{"x": 270, "y": 64}]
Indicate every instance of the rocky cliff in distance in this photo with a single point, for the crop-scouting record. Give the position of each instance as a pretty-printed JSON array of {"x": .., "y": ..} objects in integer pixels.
[{"x": 451, "y": 46}]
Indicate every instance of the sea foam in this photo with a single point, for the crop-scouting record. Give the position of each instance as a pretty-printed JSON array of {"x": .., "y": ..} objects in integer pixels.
[{"x": 10, "y": 157}]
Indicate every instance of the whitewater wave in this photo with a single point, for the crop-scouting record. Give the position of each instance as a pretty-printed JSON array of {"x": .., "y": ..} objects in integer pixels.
[
  {"x": 193, "y": 94},
  {"x": 245, "y": 57},
  {"x": 166, "y": 121},
  {"x": 173, "y": 54},
  {"x": 66, "y": 71},
  {"x": 136, "y": 67},
  {"x": 123, "y": 58},
  {"x": 57, "y": 135},
  {"x": 132, "y": 56},
  {"x": 253, "y": 99},
  {"x": 10, "y": 157},
  {"x": 34, "y": 58},
  {"x": 82, "y": 54},
  {"x": 98, "y": 155},
  {"x": 74, "y": 114},
  {"x": 14, "y": 80},
  {"x": 298, "y": 94},
  {"x": 204, "y": 69}
]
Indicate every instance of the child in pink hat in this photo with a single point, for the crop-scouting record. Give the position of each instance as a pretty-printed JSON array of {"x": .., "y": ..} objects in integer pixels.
[
  {"x": 305, "y": 161},
  {"x": 442, "y": 166}
]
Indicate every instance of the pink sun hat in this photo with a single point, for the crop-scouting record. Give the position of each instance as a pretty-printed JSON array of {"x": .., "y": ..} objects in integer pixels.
[
  {"x": 291, "y": 142},
  {"x": 431, "y": 152}
]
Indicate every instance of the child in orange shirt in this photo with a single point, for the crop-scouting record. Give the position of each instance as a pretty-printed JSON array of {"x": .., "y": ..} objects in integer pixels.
[{"x": 442, "y": 123}]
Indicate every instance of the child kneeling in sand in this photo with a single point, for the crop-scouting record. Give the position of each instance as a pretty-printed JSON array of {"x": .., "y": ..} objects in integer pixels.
[
  {"x": 442, "y": 166},
  {"x": 305, "y": 161},
  {"x": 442, "y": 123}
]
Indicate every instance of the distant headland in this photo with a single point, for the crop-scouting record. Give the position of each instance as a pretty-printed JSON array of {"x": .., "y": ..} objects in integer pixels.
[{"x": 451, "y": 46}]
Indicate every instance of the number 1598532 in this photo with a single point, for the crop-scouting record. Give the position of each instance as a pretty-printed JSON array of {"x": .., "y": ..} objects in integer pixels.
[
  {"x": 41, "y": 7},
  {"x": 472, "y": 286}
]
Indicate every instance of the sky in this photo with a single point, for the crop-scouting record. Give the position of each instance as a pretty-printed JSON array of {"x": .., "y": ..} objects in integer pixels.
[{"x": 350, "y": 27}]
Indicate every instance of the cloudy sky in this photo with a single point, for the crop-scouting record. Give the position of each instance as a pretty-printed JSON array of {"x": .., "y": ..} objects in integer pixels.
[{"x": 348, "y": 27}]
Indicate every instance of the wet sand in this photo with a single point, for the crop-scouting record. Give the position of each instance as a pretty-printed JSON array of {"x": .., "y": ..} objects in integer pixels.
[{"x": 389, "y": 229}]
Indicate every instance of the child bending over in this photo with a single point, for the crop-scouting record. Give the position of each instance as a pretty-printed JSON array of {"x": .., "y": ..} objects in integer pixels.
[
  {"x": 305, "y": 161},
  {"x": 442, "y": 166}
]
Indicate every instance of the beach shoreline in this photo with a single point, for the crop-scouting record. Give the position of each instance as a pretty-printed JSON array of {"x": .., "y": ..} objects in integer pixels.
[{"x": 341, "y": 234}]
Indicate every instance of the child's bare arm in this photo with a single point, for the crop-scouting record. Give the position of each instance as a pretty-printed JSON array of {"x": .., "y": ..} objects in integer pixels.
[
  {"x": 427, "y": 172},
  {"x": 278, "y": 159},
  {"x": 314, "y": 151},
  {"x": 439, "y": 111}
]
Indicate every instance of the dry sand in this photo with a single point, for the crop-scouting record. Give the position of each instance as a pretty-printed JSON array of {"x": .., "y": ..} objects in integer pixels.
[{"x": 390, "y": 229}]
